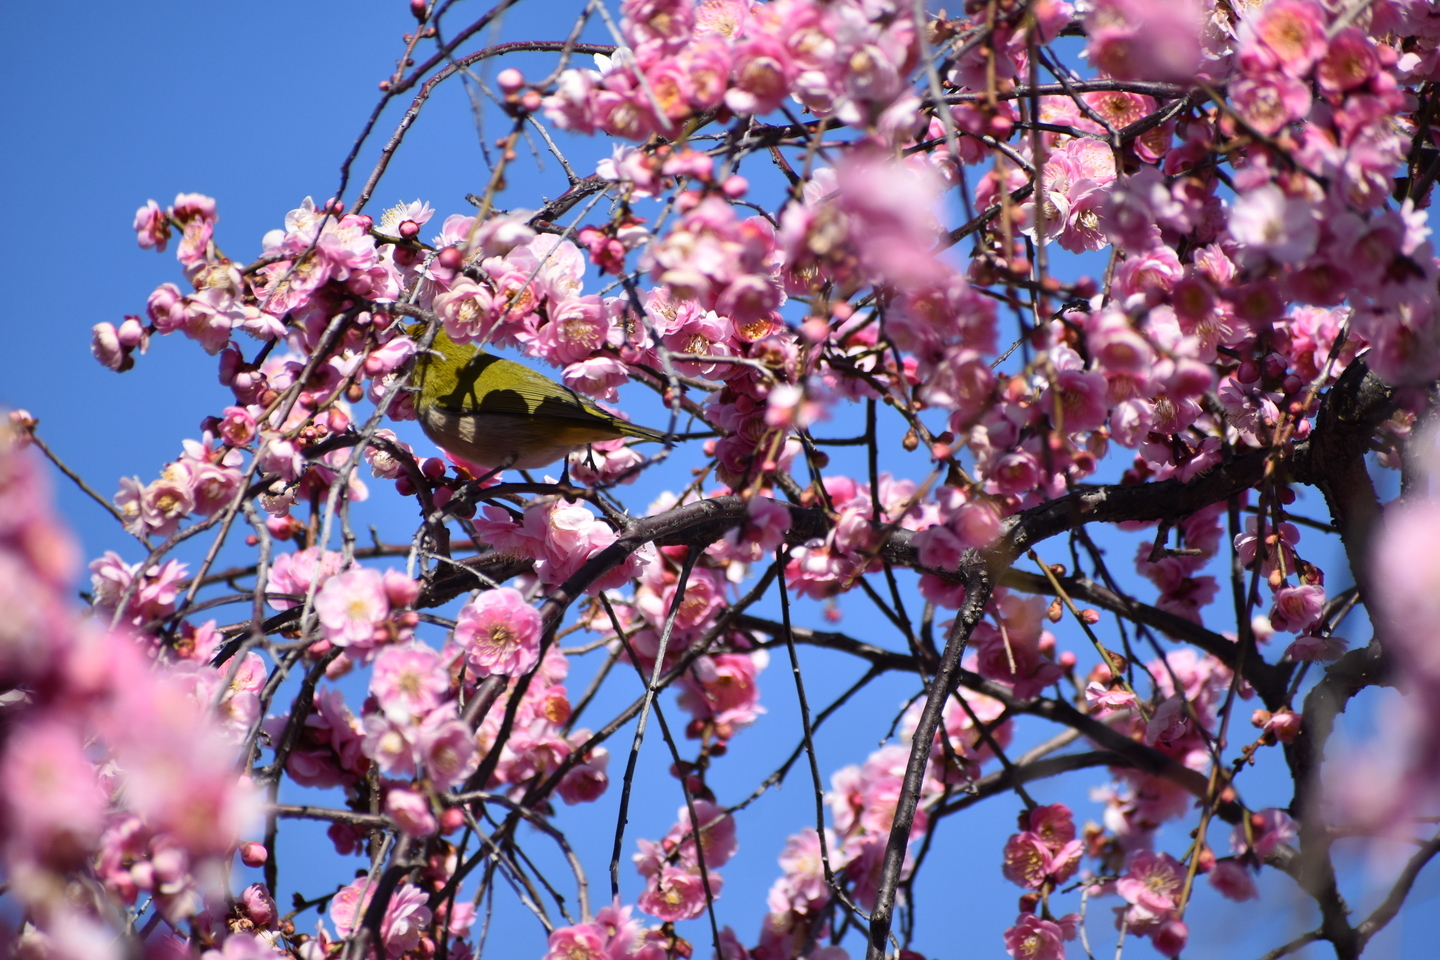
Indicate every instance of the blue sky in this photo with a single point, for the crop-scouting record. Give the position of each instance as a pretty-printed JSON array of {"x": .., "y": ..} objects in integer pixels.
[{"x": 255, "y": 104}]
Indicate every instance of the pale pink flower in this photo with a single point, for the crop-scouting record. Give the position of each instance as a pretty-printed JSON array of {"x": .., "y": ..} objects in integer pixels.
[
  {"x": 349, "y": 606},
  {"x": 1109, "y": 698},
  {"x": 106, "y": 347},
  {"x": 1310, "y": 647},
  {"x": 585, "y": 941},
  {"x": 500, "y": 632},
  {"x": 1145, "y": 39},
  {"x": 54, "y": 805},
  {"x": 152, "y": 227},
  {"x": 1265, "y": 221},
  {"x": 447, "y": 747},
  {"x": 717, "y": 836},
  {"x": 467, "y": 310},
  {"x": 409, "y": 681},
  {"x": 1151, "y": 881},
  {"x": 294, "y": 573},
  {"x": 1270, "y": 828},
  {"x": 411, "y": 811},
  {"x": 406, "y": 916},
  {"x": 597, "y": 376},
  {"x": 391, "y": 745}
]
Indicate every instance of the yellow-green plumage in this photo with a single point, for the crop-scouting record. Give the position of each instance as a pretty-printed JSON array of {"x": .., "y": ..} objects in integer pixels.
[{"x": 494, "y": 413}]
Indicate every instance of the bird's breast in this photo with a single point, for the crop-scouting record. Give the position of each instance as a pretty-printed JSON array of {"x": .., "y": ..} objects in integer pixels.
[{"x": 492, "y": 439}]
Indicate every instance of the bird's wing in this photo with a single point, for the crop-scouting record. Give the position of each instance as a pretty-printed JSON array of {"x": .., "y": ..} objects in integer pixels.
[{"x": 524, "y": 393}]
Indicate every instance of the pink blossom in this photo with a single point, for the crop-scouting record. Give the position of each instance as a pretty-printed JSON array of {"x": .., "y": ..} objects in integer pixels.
[
  {"x": 1269, "y": 829},
  {"x": 585, "y": 782},
  {"x": 723, "y": 690},
  {"x": 1265, "y": 221},
  {"x": 1310, "y": 647},
  {"x": 1170, "y": 936},
  {"x": 1145, "y": 39},
  {"x": 406, "y": 916},
  {"x": 349, "y": 606},
  {"x": 447, "y": 747},
  {"x": 295, "y": 573},
  {"x": 152, "y": 227},
  {"x": 585, "y": 941},
  {"x": 411, "y": 811},
  {"x": 1298, "y": 609},
  {"x": 673, "y": 894},
  {"x": 599, "y": 377},
  {"x": 1151, "y": 881},
  {"x": 1233, "y": 881},
  {"x": 1293, "y": 30},
  {"x": 1270, "y": 102},
  {"x": 1082, "y": 401},
  {"x": 54, "y": 805},
  {"x": 717, "y": 835},
  {"x": 1035, "y": 939},
  {"x": 1109, "y": 698},
  {"x": 409, "y": 681},
  {"x": 1349, "y": 62},
  {"x": 500, "y": 633},
  {"x": 762, "y": 72}
]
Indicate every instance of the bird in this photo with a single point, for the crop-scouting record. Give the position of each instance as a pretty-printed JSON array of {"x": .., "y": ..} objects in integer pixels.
[{"x": 498, "y": 414}]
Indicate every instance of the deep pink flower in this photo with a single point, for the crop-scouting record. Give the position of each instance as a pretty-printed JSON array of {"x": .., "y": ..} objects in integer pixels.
[
  {"x": 1035, "y": 939},
  {"x": 673, "y": 894},
  {"x": 500, "y": 632}
]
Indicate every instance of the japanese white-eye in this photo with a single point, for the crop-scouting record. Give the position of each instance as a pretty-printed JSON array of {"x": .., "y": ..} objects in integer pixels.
[{"x": 495, "y": 413}]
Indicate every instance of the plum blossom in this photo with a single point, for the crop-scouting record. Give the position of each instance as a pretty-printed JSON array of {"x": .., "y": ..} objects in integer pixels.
[
  {"x": 350, "y": 605},
  {"x": 500, "y": 633}
]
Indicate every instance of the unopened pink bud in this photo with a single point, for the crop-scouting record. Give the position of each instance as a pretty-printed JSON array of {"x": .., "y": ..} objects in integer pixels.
[
  {"x": 735, "y": 187},
  {"x": 510, "y": 80},
  {"x": 451, "y": 258},
  {"x": 253, "y": 854},
  {"x": 531, "y": 101},
  {"x": 417, "y": 8},
  {"x": 132, "y": 334},
  {"x": 433, "y": 468},
  {"x": 409, "y": 229}
]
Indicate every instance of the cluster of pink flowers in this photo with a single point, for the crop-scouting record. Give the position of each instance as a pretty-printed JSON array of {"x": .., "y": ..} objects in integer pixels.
[
  {"x": 846, "y": 60},
  {"x": 112, "y": 759},
  {"x": 676, "y": 886},
  {"x": 612, "y": 935},
  {"x": 203, "y": 481},
  {"x": 862, "y": 808}
]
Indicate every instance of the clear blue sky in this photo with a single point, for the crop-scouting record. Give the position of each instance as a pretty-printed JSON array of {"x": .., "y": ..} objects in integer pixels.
[{"x": 111, "y": 104}]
